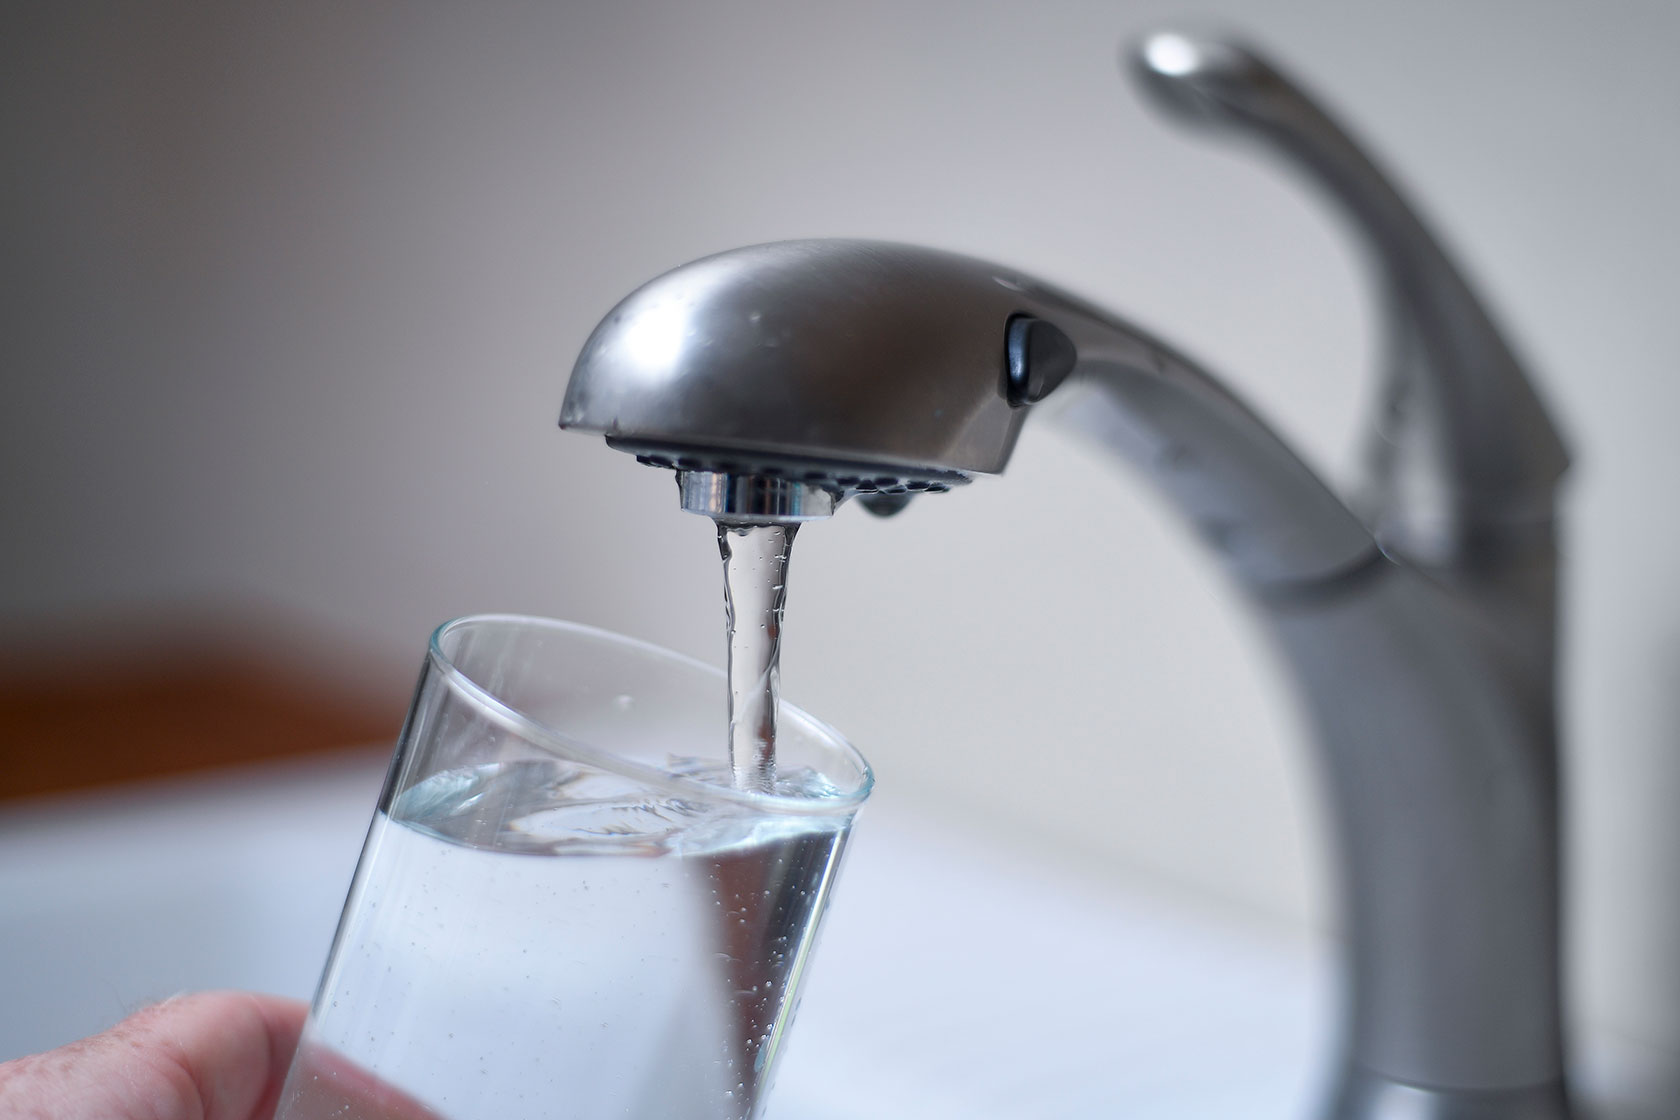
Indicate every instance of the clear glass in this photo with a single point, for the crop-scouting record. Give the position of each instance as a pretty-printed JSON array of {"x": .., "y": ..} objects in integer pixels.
[{"x": 564, "y": 909}]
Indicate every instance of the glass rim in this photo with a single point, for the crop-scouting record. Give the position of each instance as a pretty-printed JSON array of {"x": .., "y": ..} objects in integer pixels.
[{"x": 551, "y": 738}]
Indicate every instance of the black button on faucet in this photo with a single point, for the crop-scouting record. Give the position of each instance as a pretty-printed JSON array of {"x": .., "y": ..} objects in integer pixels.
[{"x": 1039, "y": 358}]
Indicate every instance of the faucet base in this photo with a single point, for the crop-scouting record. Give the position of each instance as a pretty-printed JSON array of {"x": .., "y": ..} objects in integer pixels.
[{"x": 1363, "y": 1095}]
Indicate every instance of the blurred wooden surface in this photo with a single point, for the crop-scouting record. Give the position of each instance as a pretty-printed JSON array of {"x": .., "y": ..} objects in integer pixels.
[{"x": 110, "y": 718}]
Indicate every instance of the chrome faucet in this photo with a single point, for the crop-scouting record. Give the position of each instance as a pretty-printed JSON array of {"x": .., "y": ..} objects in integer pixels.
[{"x": 1417, "y": 619}]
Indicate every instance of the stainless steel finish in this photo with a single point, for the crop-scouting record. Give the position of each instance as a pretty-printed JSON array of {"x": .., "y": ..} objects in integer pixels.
[
  {"x": 750, "y": 499},
  {"x": 806, "y": 349},
  {"x": 1463, "y": 448},
  {"x": 1378, "y": 1098},
  {"x": 891, "y": 358},
  {"x": 1437, "y": 735},
  {"x": 1433, "y": 686},
  {"x": 1420, "y": 631}
]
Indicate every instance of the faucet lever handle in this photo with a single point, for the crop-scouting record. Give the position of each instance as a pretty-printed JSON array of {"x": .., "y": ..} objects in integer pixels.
[{"x": 1463, "y": 454}]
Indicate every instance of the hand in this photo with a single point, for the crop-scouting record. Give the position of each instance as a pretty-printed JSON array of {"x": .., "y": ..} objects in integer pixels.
[{"x": 214, "y": 1056}]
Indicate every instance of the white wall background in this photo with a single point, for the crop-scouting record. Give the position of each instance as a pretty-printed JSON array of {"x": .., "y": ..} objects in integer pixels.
[{"x": 290, "y": 297}]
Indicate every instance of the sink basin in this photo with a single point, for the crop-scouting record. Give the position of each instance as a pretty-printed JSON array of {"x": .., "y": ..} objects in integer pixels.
[{"x": 959, "y": 976}]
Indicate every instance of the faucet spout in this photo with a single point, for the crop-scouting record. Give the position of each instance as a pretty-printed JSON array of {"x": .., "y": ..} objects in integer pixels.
[
  {"x": 869, "y": 367},
  {"x": 788, "y": 377}
]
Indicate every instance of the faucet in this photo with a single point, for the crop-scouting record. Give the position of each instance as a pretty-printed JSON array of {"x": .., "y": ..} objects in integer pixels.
[{"x": 1417, "y": 618}]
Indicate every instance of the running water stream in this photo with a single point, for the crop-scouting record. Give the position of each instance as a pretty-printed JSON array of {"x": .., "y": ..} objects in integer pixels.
[{"x": 755, "y": 559}]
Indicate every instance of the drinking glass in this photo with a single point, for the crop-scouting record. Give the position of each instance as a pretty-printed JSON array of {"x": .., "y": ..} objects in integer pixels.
[{"x": 564, "y": 908}]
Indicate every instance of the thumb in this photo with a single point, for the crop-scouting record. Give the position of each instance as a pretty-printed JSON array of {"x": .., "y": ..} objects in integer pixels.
[{"x": 213, "y": 1056}]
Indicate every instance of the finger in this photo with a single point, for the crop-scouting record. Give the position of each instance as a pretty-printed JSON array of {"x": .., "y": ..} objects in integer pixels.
[
  {"x": 229, "y": 1049},
  {"x": 215, "y": 1056}
]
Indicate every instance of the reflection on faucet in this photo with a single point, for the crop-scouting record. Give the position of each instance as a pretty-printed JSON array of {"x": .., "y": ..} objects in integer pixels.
[{"x": 779, "y": 378}]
